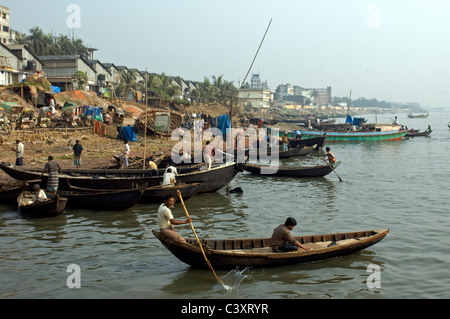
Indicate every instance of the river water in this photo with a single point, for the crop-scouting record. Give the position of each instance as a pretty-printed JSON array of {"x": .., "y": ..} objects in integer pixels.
[{"x": 401, "y": 185}]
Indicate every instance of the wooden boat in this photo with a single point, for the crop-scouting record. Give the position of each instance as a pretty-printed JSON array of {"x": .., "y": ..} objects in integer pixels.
[
  {"x": 10, "y": 192},
  {"x": 413, "y": 133},
  {"x": 418, "y": 116},
  {"x": 333, "y": 137},
  {"x": 157, "y": 194},
  {"x": 215, "y": 178},
  {"x": 232, "y": 253},
  {"x": 300, "y": 150},
  {"x": 288, "y": 171},
  {"x": 319, "y": 141},
  {"x": 119, "y": 199},
  {"x": 54, "y": 205}
]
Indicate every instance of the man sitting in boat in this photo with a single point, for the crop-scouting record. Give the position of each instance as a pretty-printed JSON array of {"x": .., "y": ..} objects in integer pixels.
[
  {"x": 166, "y": 220},
  {"x": 331, "y": 157},
  {"x": 282, "y": 240},
  {"x": 168, "y": 178},
  {"x": 38, "y": 195}
]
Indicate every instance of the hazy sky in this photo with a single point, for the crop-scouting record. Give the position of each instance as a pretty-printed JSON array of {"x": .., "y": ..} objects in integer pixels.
[{"x": 392, "y": 50}]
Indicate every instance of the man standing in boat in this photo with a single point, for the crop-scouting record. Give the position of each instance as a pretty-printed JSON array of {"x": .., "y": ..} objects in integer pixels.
[
  {"x": 282, "y": 240},
  {"x": 53, "y": 168},
  {"x": 166, "y": 220}
]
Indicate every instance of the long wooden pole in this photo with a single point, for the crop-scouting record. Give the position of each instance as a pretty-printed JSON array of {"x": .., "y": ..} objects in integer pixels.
[
  {"x": 145, "y": 129},
  {"x": 198, "y": 241},
  {"x": 340, "y": 179}
]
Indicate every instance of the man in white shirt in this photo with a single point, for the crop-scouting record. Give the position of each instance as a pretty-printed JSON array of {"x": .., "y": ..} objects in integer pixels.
[
  {"x": 168, "y": 178},
  {"x": 173, "y": 168},
  {"x": 208, "y": 154},
  {"x": 19, "y": 152},
  {"x": 125, "y": 154},
  {"x": 166, "y": 219}
]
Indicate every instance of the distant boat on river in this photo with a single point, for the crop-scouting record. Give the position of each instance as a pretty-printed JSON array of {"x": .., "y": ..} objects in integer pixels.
[
  {"x": 350, "y": 136},
  {"x": 418, "y": 116}
]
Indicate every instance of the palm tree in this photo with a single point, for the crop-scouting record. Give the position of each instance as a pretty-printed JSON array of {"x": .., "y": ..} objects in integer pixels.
[
  {"x": 127, "y": 84},
  {"x": 21, "y": 39}
]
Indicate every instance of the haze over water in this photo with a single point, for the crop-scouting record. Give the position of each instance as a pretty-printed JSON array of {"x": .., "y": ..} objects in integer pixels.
[{"x": 398, "y": 185}]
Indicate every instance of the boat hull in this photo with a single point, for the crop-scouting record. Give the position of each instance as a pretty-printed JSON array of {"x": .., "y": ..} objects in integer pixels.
[
  {"x": 334, "y": 137},
  {"x": 214, "y": 178},
  {"x": 286, "y": 171},
  {"x": 49, "y": 208},
  {"x": 106, "y": 200},
  {"x": 228, "y": 254}
]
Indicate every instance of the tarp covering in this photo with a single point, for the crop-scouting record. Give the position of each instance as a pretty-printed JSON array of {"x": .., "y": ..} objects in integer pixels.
[
  {"x": 95, "y": 112},
  {"x": 357, "y": 121},
  {"x": 224, "y": 123},
  {"x": 56, "y": 89},
  {"x": 126, "y": 133},
  {"x": 348, "y": 120}
]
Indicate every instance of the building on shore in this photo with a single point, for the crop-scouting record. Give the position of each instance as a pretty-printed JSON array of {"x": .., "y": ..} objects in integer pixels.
[
  {"x": 256, "y": 96},
  {"x": 298, "y": 95},
  {"x": 61, "y": 68},
  {"x": 16, "y": 63}
]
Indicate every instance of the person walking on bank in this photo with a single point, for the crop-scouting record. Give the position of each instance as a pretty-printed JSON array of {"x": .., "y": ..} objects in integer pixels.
[
  {"x": 282, "y": 240},
  {"x": 77, "y": 151},
  {"x": 125, "y": 154},
  {"x": 53, "y": 168},
  {"x": 19, "y": 152},
  {"x": 166, "y": 220}
]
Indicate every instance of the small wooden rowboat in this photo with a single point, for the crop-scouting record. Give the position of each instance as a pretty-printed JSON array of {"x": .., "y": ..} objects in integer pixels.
[
  {"x": 232, "y": 253},
  {"x": 10, "y": 192},
  {"x": 119, "y": 199},
  {"x": 289, "y": 171},
  {"x": 53, "y": 206},
  {"x": 157, "y": 194}
]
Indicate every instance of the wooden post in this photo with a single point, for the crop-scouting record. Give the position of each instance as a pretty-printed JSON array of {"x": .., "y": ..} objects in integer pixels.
[{"x": 145, "y": 126}]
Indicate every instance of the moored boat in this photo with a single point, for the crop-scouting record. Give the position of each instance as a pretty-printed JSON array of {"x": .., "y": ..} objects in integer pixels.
[
  {"x": 119, "y": 199},
  {"x": 215, "y": 178},
  {"x": 256, "y": 252},
  {"x": 319, "y": 141},
  {"x": 289, "y": 171},
  {"x": 10, "y": 192},
  {"x": 52, "y": 206},
  {"x": 157, "y": 194},
  {"x": 333, "y": 137}
]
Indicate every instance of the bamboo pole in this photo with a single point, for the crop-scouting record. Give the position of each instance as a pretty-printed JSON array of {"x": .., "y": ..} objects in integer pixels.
[{"x": 145, "y": 127}]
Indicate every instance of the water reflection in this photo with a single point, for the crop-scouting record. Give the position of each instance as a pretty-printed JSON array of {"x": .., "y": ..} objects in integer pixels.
[{"x": 337, "y": 277}]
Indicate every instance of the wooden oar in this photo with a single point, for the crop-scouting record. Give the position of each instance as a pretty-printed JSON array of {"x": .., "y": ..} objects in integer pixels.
[
  {"x": 199, "y": 244},
  {"x": 340, "y": 179}
]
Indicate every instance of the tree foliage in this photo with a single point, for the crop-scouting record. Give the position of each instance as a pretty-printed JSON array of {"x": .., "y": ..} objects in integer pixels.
[{"x": 42, "y": 43}]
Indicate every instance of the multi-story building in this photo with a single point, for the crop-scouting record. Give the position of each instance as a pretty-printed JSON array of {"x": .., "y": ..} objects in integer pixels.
[
  {"x": 16, "y": 63},
  {"x": 4, "y": 25},
  {"x": 318, "y": 96},
  {"x": 61, "y": 68},
  {"x": 256, "y": 95}
]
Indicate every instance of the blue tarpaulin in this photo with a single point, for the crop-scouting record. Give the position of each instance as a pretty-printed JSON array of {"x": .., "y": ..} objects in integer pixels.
[
  {"x": 348, "y": 120},
  {"x": 224, "y": 123},
  {"x": 56, "y": 89},
  {"x": 126, "y": 133},
  {"x": 357, "y": 121}
]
